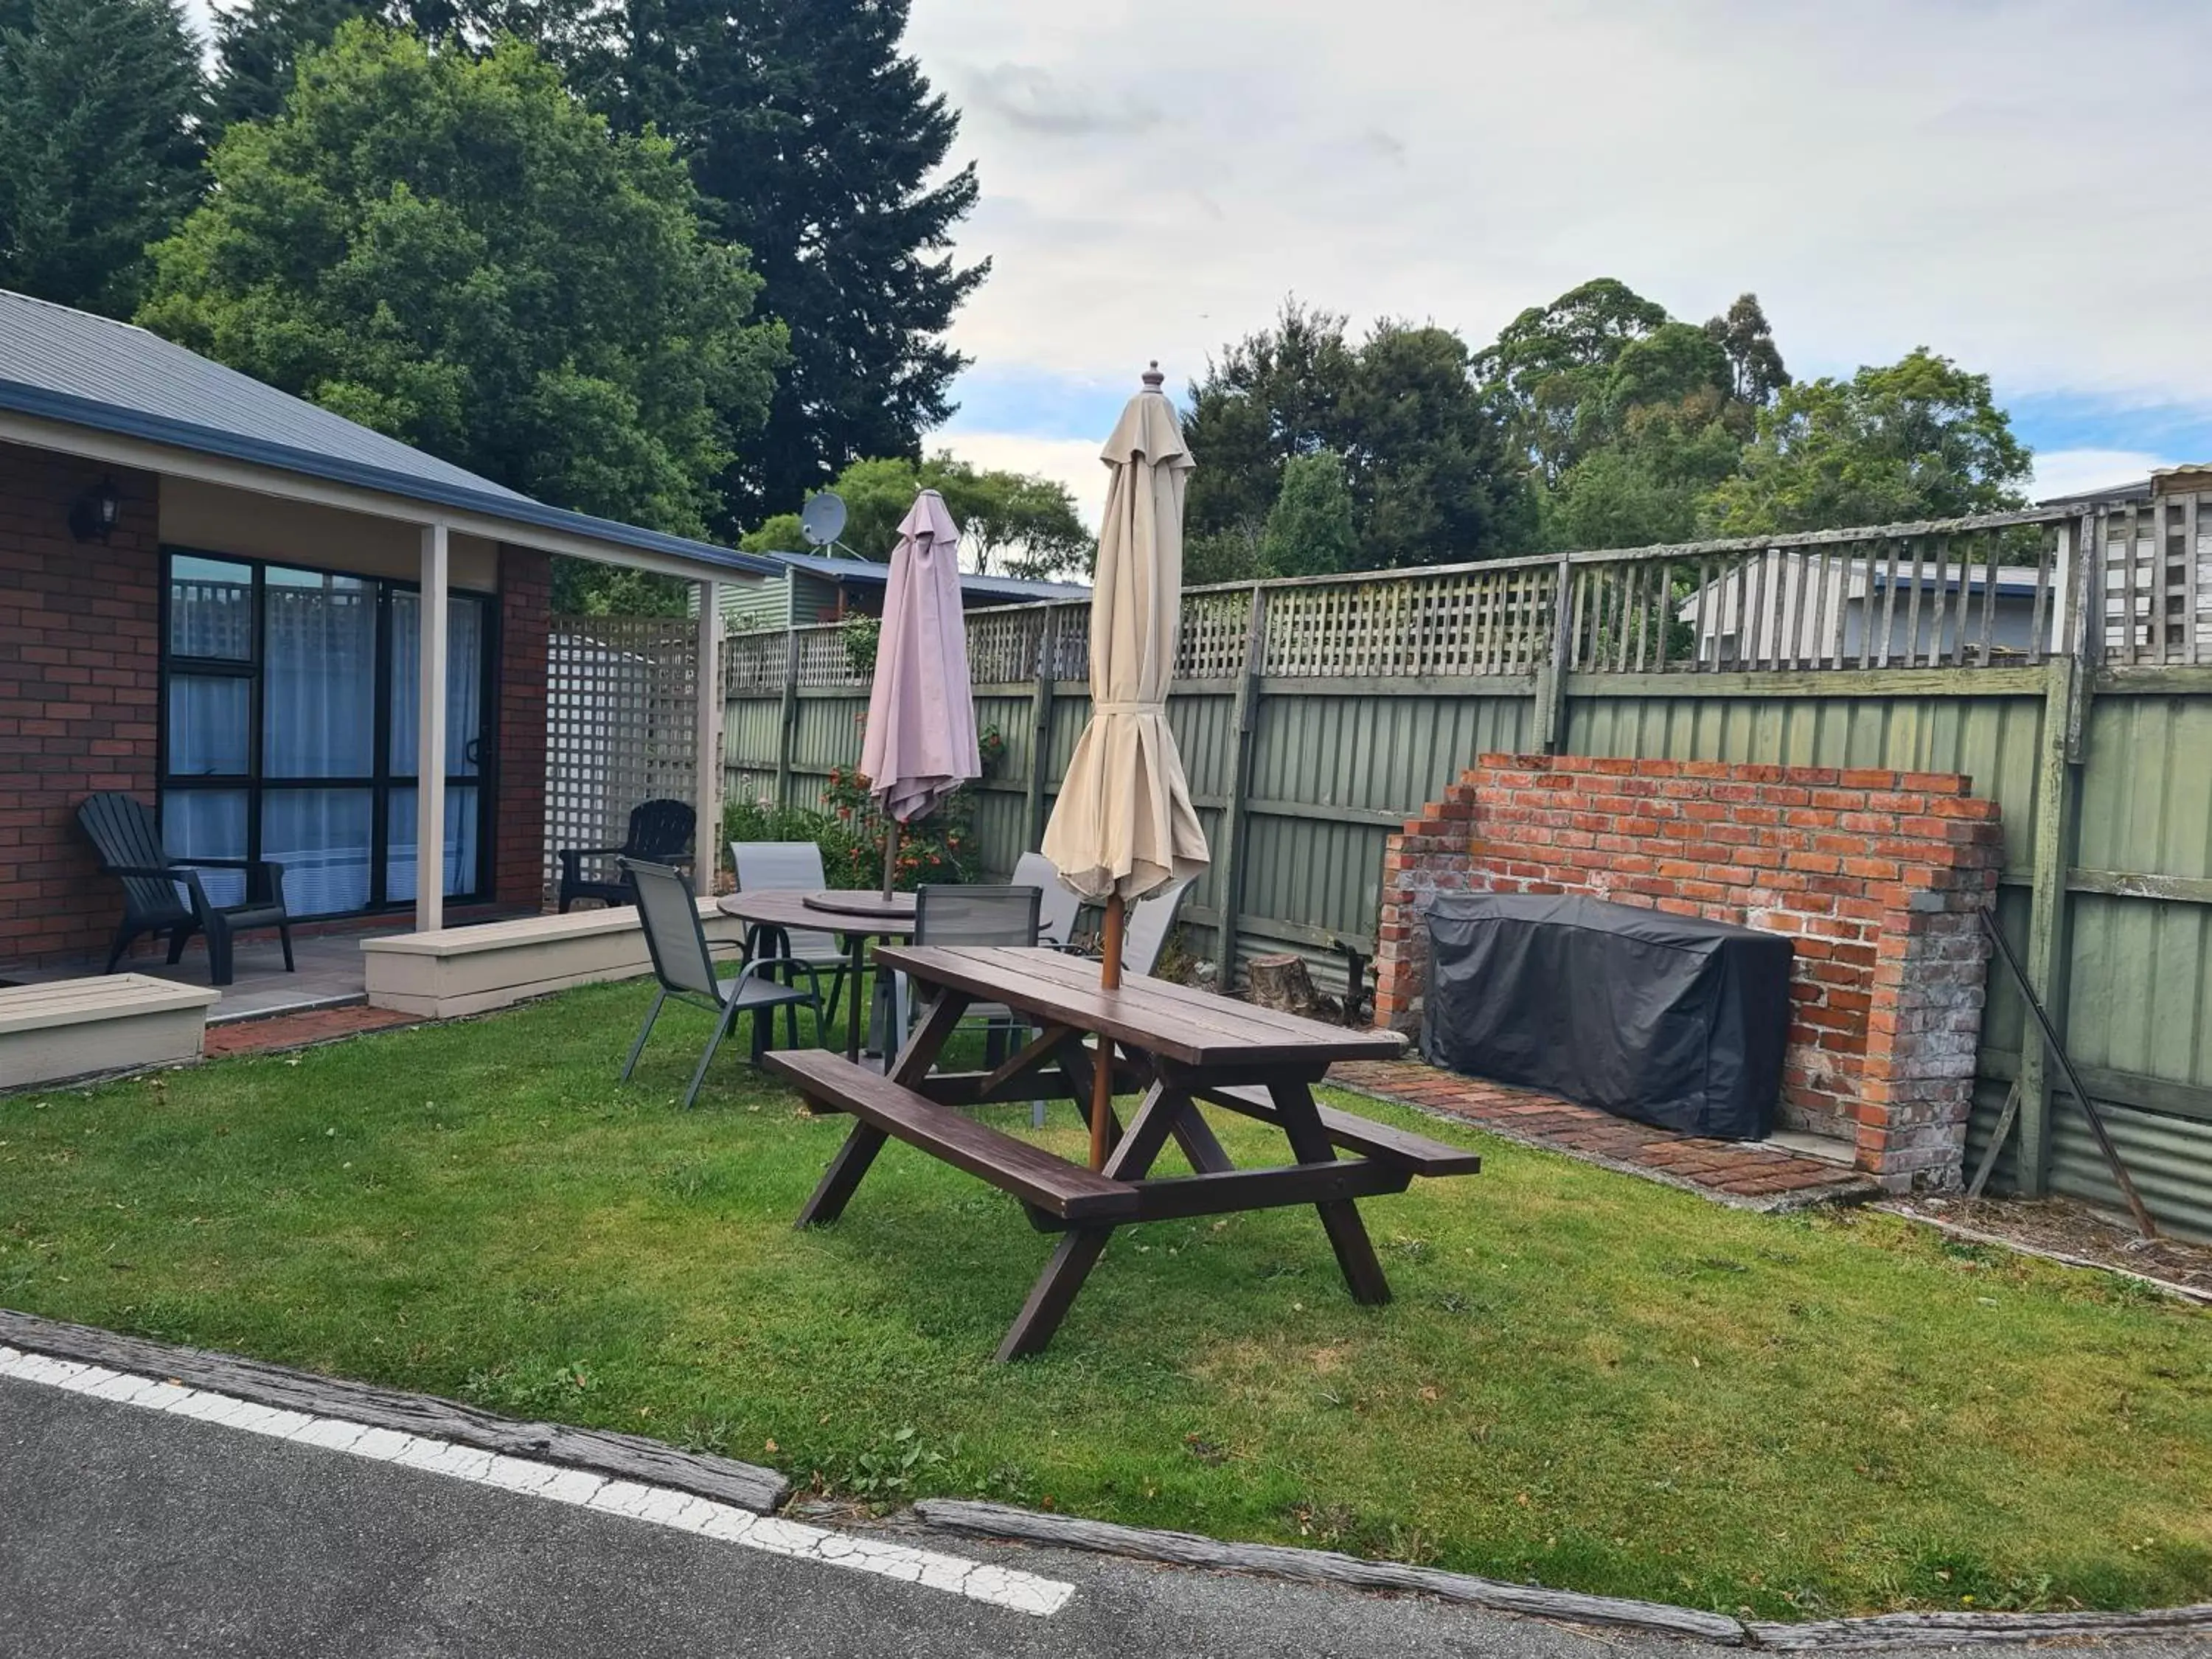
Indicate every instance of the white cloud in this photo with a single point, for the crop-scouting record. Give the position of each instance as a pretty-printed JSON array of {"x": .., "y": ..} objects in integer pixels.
[
  {"x": 2077, "y": 471},
  {"x": 1071, "y": 461},
  {"x": 1953, "y": 172}
]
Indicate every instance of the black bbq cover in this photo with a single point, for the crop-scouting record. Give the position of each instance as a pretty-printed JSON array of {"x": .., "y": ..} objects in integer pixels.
[{"x": 1664, "y": 1019}]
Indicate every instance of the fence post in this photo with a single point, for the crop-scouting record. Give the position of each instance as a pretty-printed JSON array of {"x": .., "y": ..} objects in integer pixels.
[
  {"x": 1228, "y": 876},
  {"x": 2069, "y": 677},
  {"x": 706, "y": 740},
  {"x": 1551, "y": 711},
  {"x": 1042, "y": 689},
  {"x": 788, "y": 730}
]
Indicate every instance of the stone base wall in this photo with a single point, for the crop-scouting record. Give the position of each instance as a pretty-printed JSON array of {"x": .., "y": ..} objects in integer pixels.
[{"x": 1876, "y": 877}]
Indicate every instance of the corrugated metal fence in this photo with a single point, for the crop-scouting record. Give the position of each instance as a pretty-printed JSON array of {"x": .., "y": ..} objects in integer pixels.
[{"x": 1315, "y": 714}]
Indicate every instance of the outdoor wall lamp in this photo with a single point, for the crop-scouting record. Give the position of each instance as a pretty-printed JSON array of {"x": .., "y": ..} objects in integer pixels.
[{"x": 95, "y": 512}]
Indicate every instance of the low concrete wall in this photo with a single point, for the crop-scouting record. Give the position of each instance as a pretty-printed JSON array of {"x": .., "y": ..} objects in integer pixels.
[
  {"x": 73, "y": 1028},
  {"x": 467, "y": 970}
]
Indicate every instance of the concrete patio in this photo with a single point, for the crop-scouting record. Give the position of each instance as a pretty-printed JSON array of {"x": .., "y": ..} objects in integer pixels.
[{"x": 330, "y": 973}]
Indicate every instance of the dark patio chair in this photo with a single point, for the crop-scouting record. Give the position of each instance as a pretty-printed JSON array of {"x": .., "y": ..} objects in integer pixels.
[
  {"x": 162, "y": 895},
  {"x": 659, "y": 833},
  {"x": 683, "y": 963},
  {"x": 953, "y": 913}
]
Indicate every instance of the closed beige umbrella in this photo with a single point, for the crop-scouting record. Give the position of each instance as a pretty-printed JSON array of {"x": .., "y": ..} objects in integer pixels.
[{"x": 1123, "y": 824}]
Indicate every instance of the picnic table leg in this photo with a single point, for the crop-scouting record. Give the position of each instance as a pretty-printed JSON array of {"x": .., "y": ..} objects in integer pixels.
[
  {"x": 866, "y": 1140},
  {"x": 856, "y": 945},
  {"x": 1079, "y": 1248},
  {"x": 1339, "y": 1217},
  {"x": 843, "y": 1175}
]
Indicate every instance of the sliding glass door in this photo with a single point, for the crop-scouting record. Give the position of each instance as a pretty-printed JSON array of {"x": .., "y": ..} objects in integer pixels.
[{"x": 290, "y": 712}]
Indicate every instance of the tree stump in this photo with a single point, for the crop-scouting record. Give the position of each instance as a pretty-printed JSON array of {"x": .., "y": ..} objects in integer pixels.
[{"x": 1282, "y": 982}]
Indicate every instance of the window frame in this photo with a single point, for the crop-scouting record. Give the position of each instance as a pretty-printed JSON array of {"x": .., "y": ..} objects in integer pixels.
[{"x": 383, "y": 779}]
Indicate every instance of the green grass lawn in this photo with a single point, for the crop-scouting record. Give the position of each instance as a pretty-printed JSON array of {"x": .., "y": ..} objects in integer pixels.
[{"x": 1585, "y": 1380}]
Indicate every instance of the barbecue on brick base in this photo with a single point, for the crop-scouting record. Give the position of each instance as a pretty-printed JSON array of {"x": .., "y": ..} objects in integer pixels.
[{"x": 1876, "y": 876}]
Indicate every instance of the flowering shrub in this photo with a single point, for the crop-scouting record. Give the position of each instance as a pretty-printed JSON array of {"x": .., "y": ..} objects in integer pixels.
[{"x": 850, "y": 833}]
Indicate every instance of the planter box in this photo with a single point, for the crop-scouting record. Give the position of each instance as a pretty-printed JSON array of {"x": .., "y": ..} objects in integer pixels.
[
  {"x": 73, "y": 1028},
  {"x": 467, "y": 970}
]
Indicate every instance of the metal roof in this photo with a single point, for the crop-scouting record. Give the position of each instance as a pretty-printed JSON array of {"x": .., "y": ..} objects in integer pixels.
[
  {"x": 69, "y": 365},
  {"x": 1012, "y": 589}
]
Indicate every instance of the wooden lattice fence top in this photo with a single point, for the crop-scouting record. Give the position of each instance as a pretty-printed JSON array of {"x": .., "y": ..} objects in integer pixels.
[
  {"x": 1967, "y": 593},
  {"x": 622, "y": 726}
]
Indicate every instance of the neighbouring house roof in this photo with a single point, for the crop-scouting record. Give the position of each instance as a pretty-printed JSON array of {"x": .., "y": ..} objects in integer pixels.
[
  {"x": 57, "y": 364},
  {"x": 1008, "y": 590}
]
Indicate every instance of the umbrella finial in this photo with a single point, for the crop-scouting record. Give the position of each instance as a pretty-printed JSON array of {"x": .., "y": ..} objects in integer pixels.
[{"x": 1153, "y": 379}]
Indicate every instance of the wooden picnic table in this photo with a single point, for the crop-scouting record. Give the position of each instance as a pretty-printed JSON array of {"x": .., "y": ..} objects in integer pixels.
[{"x": 1178, "y": 1046}]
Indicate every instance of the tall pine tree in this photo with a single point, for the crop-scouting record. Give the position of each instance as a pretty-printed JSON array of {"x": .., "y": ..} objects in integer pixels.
[
  {"x": 258, "y": 45},
  {"x": 101, "y": 104},
  {"x": 815, "y": 141}
]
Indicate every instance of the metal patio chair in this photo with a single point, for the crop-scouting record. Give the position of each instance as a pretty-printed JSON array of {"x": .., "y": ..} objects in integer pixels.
[
  {"x": 683, "y": 963},
  {"x": 952, "y": 914},
  {"x": 1150, "y": 919},
  {"x": 659, "y": 833},
  {"x": 1059, "y": 907},
  {"x": 794, "y": 867},
  {"x": 163, "y": 894}
]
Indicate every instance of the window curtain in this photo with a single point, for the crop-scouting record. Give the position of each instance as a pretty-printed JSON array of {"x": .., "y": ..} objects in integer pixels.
[
  {"x": 464, "y": 666},
  {"x": 319, "y": 703}
]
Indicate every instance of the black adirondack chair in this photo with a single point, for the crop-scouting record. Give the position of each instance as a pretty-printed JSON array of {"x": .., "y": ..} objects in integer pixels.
[
  {"x": 162, "y": 895},
  {"x": 659, "y": 833}
]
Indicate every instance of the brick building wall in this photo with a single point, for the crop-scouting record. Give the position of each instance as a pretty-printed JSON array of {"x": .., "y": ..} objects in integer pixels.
[
  {"x": 79, "y": 693},
  {"x": 525, "y": 613},
  {"x": 1876, "y": 877}
]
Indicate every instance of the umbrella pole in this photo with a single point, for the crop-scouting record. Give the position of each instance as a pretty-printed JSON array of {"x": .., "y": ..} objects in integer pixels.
[
  {"x": 890, "y": 851},
  {"x": 1102, "y": 1076}
]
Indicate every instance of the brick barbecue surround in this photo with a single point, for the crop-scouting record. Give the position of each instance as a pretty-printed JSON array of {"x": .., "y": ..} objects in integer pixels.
[{"x": 1876, "y": 876}]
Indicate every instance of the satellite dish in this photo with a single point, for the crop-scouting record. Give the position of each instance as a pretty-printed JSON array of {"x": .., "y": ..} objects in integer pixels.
[{"x": 823, "y": 520}]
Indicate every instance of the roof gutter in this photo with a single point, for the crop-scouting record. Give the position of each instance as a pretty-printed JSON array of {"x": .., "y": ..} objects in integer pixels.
[{"x": 50, "y": 420}]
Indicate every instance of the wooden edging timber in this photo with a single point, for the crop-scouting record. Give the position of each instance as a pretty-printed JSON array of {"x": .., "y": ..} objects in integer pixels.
[
  {"x": 1321, "y": 1567},
  {"x": 1949, "y": 1629},
  {"x": 1890, "y": 1630},
  {"x": 625, "y": 1457}
]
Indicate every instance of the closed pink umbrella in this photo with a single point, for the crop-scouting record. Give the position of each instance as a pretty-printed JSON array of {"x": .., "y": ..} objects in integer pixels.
[{"x": 920, "y": 745}]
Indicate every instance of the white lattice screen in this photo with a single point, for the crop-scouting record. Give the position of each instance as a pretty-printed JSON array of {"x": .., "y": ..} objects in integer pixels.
[{"x": 620, "y": 718}]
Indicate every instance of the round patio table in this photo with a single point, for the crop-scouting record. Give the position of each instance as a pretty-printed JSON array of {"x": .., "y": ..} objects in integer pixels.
[{"x": 782, "y": 911}]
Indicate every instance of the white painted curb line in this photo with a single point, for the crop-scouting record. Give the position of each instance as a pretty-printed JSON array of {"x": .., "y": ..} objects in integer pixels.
[{"x": 659, "y": 1506}]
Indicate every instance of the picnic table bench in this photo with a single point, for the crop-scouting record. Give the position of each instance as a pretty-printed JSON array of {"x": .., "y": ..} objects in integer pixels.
[{"x": 1178, "y": 1048}]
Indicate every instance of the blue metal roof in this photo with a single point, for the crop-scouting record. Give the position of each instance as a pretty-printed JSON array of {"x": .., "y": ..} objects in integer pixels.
[
  {"x": 1014, "y": 590},
  {"x": 62, "y": 365}
]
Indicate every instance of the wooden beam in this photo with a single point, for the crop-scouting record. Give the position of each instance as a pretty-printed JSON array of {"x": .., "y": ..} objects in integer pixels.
[
  {"x": 1043, "y": 690},
  {"x": 707, "y": 757},
  {"x": 787, "y": 728},
  {"x": 2057, "y": 801},
  {"x": 1229, "y": 867},
  {"x": 431, "y": 732}
]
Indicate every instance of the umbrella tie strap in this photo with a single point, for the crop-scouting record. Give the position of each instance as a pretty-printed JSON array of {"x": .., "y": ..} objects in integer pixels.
[{"x": 1129, "y": 708}]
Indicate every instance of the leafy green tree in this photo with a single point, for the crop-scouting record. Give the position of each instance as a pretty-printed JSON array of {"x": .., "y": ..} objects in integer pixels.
[
  {"x": 1920, "y": 438},
  {"x": 1549, "y": 370},
  {"x": 101, "y": 104},
  {"x": 1310, "y": 530},
  {"x": 1425, "y": 458},
  {"x": 450, "y": 249},
  {"x": 819, "y": 144},
  {"x": 1025, "y": 525}
]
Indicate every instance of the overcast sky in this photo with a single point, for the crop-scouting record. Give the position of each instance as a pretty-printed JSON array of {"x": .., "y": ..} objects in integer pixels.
[{"x": 2018, "y": 185}]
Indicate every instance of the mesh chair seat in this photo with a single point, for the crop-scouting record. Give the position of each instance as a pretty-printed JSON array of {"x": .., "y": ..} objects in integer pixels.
[
  {"x": 683, "y": 964},
  {"x": 794, "y": 867}
]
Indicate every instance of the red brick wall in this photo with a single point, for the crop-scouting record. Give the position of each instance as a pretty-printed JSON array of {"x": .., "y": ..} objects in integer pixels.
[
  {"x": 79, "y": 637},
  {"x": 1875, "y": 875},
  {"x": 526, "y": 610}
]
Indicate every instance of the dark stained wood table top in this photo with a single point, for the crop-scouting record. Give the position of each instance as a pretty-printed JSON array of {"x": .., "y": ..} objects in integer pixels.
[
  {"x": 1174, "y": 1022},
  {"x": 778, "y": 908}
]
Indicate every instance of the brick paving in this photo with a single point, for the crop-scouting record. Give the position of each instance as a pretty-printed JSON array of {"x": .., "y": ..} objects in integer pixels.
[
  {"x": 261, "y": 1037},
  {"x": 1737, "y": 1172}
]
